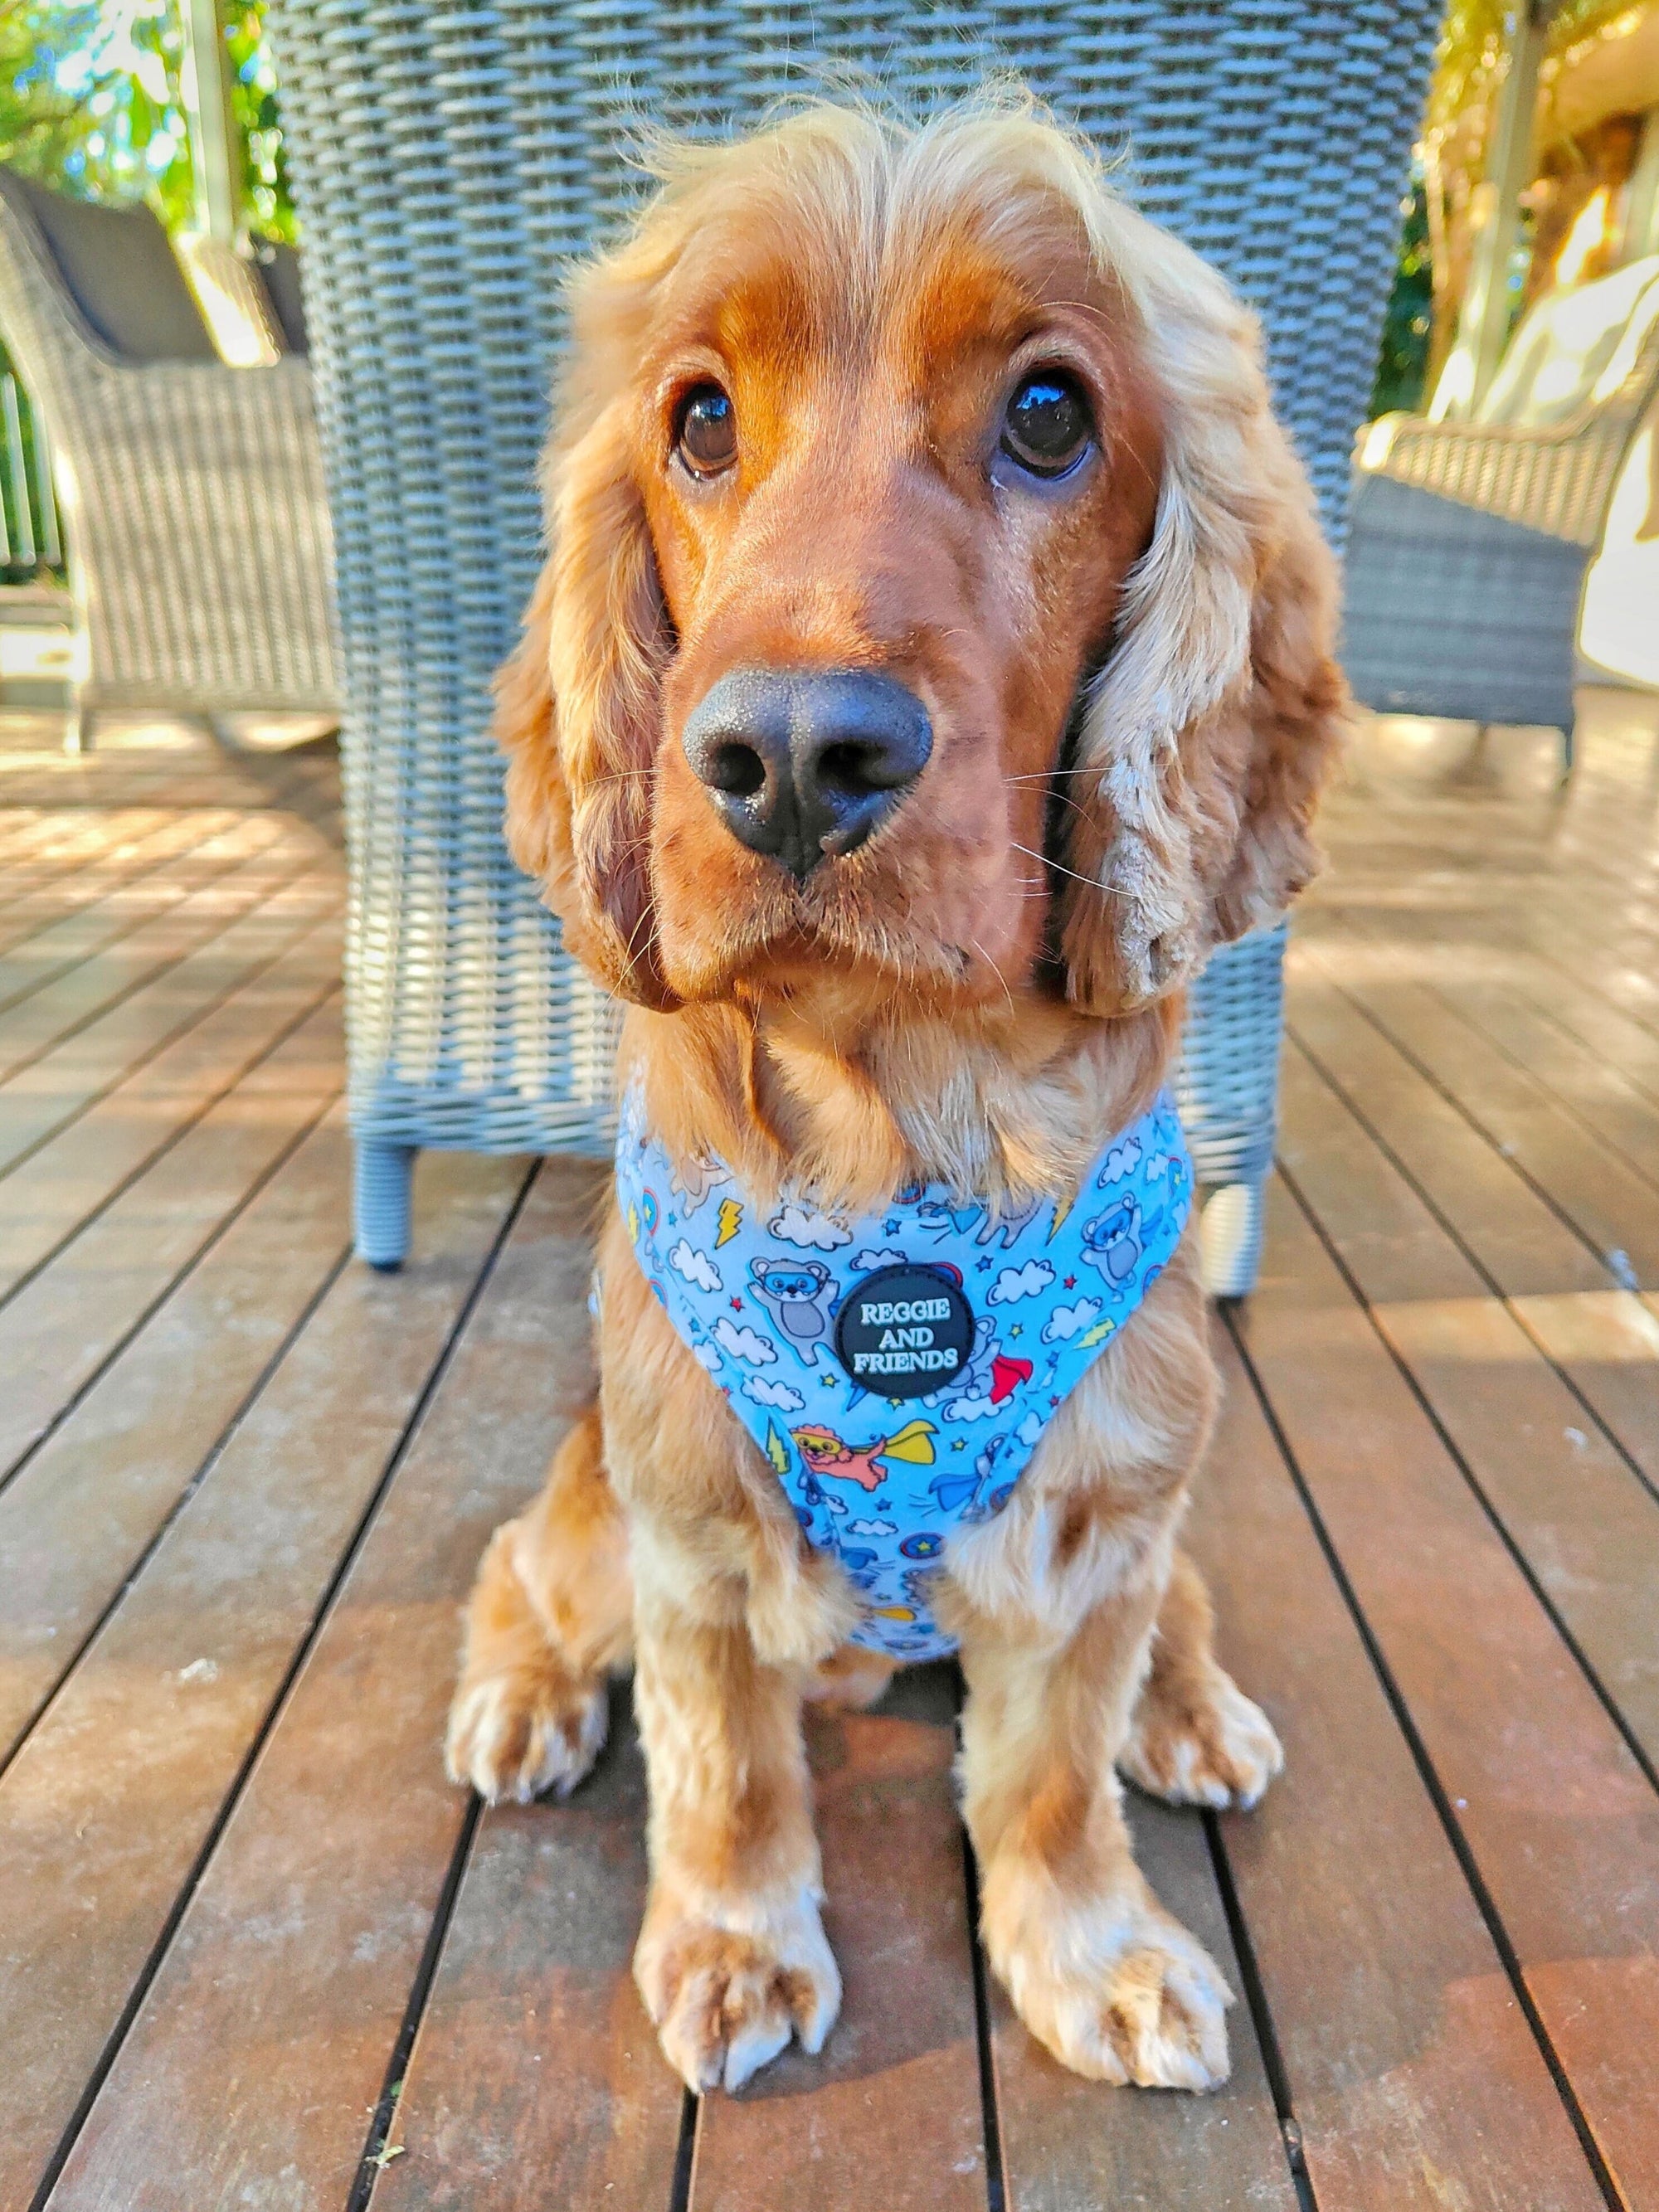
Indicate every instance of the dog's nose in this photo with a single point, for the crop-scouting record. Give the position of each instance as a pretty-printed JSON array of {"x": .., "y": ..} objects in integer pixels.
[{"x": 804, "y": 765}]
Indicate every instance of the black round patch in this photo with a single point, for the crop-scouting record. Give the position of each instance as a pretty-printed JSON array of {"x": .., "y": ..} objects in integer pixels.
[{"x": 903, "y": 1332}]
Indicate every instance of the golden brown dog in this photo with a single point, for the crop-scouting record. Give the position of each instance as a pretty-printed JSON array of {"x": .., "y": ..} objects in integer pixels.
[{"x": 930, "y": 408}]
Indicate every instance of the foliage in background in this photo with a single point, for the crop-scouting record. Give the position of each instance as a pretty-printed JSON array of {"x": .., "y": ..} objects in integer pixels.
[
  {"x": 91, "y": 104},
  {"x": 1403, "y": 363},
  {"x": 1429, "y": 278}
]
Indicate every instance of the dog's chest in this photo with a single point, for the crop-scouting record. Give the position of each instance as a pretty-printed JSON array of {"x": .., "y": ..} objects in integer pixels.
[{"x": 897, "y": 1370}]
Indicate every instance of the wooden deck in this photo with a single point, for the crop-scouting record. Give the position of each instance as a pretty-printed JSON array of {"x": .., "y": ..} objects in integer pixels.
[{"x": 256, "y": 1952}]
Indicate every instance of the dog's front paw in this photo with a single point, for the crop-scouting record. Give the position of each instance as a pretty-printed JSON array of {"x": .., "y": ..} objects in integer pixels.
[
  {"x": 725, "y": 2001},
  {"x": 1118, "y": 1990},
  {"x": 526, "y": 1729},
  {"x": 1217, "y": 1748}
]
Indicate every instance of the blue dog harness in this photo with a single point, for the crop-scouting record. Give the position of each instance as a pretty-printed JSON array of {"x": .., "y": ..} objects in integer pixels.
[{"x": 899, "y": 1371}]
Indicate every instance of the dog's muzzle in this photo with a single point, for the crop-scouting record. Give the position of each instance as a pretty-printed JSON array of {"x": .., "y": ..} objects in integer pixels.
[{"x": 802, "y": 767}]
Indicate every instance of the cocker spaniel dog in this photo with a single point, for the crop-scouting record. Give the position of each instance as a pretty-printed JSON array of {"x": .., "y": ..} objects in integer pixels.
[{"x": 931, "y": 664}]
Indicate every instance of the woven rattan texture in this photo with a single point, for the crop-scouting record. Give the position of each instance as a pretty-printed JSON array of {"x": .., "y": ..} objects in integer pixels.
[
  {"x": 1453, "y": 612},
  {"x": 1558, "y": 481},
  {"x": 194, "y": 502},
  {"x": 449, "y": 159},
  {"x": 1467, "y": 549}
]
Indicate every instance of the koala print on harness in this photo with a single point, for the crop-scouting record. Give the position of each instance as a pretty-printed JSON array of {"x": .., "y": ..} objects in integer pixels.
[
  {"x": 760, "y": 1295},
  {"x": 800, "y": 1295}
]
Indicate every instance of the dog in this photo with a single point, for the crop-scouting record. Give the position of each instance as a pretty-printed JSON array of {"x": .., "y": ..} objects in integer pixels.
[{"x": 933, "y": 663}]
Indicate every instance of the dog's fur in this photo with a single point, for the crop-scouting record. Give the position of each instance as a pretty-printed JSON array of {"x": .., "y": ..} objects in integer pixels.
[{"x": 1134, "y": 702}]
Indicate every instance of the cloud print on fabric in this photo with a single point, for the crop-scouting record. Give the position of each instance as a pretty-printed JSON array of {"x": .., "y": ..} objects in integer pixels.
[
  {"x": 1123, "y": 1159},
  {"x": 816, "y": 1232},
  {"x": 1020, "y": 1283},
  {"x": 695, "y": 1266},
  {"x": 706, "y": 1355},
  {"x": 780, "y": 1394},
  {"x": 873, "y": 1528},
  {"x": 969, "y": 1408},
  {"x": 743, "y": 1343},
  {"x": 1066, "y": 1321},
  {"x": 872, "y": 1257}
]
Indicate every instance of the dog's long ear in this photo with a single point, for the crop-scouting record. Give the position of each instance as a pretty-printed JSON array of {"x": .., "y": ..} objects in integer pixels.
[
  {"x": 578, "y": 708},
  {"x": 1203, "y": 742}
]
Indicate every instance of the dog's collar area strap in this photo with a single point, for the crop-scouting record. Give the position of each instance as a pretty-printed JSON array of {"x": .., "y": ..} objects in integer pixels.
[{"x": 897, "y": 1370}]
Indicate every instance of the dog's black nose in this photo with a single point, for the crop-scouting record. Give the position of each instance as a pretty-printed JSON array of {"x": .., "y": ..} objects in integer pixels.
[{"x": 801, "y": 765}]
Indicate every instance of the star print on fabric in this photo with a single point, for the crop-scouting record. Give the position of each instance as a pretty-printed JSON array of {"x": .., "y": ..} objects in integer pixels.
[
  {"x": 1071, "y": 1282},
  {"x": 958, "y": 1443},
  {"x": 1053, "y": 1402},
  {"x": 1019, "y": 1329},
  {"x": 983, "y": 1266},
  {"x": 890, "y": 1228},
  {"x": 736, "y": 1305}
]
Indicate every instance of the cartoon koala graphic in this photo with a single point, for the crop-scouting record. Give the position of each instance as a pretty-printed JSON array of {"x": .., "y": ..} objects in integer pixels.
[
  {"x": 798, "y": 1294},
  {"x": 1111, "y": 1241}
]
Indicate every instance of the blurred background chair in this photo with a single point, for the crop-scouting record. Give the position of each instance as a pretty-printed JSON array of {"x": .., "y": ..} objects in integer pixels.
[
  {"x": 449, "y": 162},
  {"x": 192, "y": 495},
  {"x": 1468, "y": 542}
]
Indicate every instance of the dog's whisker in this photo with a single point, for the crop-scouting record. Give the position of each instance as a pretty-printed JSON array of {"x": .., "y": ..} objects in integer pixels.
[{"x": 1089, "y": 883}]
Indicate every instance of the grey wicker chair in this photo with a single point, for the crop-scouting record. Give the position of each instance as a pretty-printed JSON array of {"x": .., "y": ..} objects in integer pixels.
[
  {"x": 449, "y": 161},
  {"x": 195, "y": 511},
  {"x": 1468, "y": 542}
]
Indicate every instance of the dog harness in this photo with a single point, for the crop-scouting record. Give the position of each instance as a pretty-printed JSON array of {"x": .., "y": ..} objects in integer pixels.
[{"x": 899, "y": 1371}]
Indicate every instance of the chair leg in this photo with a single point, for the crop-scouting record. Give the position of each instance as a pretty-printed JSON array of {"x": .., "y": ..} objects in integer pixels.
[
  {"x": 1230, "y": 1237},
  {"x": 381, "y": 1202},
  {"x": 1567, "y": 750}
]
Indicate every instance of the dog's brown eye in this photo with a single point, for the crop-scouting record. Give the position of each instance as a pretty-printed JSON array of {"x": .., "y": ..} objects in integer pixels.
[
  {"x": 1048, "y": 424},
  {"x": 708, "y": 432}
]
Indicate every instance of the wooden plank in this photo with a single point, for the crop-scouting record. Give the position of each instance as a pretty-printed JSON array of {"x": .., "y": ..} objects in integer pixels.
[
  {"x": 1552, "y": 1809},
  {"x": 77, "y": 1518},
  {"x": 60, "y": 876},
  {"x": 1412, "y": 2076},
  {"x": 535, "y": 2079},
  {"x": 1608, "y": 1344},
  {"x": 1615, "y": 1208},
  {"x": 889, "y": 2112},
  {"x": 1515, "y": 1004},
  {"x": 66, "y": 1004},
  {"x": 64, "y": 1324},
  {"x": 1516, "y": 1237},
  {"x": 136, "y": 1754},
  {"x": 46, "y": 1198},
  {"x": 1584, "y": 1524},
  {"x": 247, "y": 2074},
  {"x": 1068, "y": 2143},
  {"x": 47, "y": 931},
  {"x": 1603, "y": 1339},
  {"x": 65, "y": 1080},
  {"x": 57, "y": 844}
]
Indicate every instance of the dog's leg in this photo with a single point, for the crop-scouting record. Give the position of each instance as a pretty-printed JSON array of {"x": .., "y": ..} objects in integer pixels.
[
  {"x": 1196, "y": 1739},
  {"x": 551, "y": 1614},
  {"x": 1097, "y": 1969},
  {"x": 732, "y": 1959}
]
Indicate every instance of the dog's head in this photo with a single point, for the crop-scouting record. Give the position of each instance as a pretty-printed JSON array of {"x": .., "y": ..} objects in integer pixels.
[{"x": 933, "y": 600}]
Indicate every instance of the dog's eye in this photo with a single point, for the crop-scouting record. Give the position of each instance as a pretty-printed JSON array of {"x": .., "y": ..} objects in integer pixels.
[
  {"x": 708, "y": 437},
  {"x": 1048, "y": 424}
]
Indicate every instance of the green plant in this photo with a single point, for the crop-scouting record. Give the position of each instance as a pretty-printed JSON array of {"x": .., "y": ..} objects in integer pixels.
[
  {"x": 1407, "y": 326},
  {"x": 91, "y": 103}
]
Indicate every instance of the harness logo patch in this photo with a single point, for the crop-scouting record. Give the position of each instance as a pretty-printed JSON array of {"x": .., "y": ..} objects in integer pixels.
[{"x": 903, "y": 1332}]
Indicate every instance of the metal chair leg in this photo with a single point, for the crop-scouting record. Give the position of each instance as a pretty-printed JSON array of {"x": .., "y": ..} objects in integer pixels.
[
  {"x": 1229, "y": 1237},
  {"x": 380, "y": 1207}
]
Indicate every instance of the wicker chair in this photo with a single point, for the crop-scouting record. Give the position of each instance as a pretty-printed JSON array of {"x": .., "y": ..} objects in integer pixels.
[
  {"x": 193, "y": 500},
  {"x": 1468, "y": 542},
  {"x": 450, "y": 160}
]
